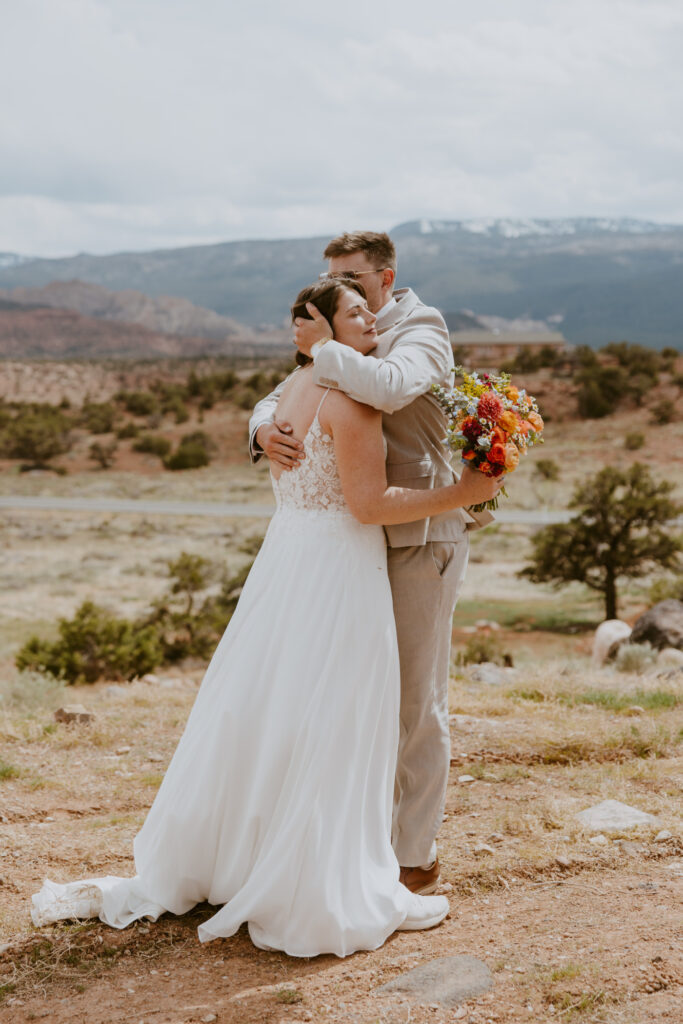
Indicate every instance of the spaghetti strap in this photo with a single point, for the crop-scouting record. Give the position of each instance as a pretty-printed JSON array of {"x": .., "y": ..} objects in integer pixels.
[{"x": 320, "y": 405}]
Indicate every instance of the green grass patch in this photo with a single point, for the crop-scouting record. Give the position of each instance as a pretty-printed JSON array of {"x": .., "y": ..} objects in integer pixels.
[
  {"x": 531, "y": 615},
  {"x": 289, "y": 996},
  {"x": 8, "y": 771},
  {"x": 611, "y": 700}
]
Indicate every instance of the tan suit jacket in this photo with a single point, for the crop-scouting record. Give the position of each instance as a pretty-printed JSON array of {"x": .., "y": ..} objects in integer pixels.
[{"x": 413, "y": 352}]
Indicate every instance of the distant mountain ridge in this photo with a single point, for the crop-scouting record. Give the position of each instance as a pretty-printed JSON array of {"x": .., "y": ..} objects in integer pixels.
[{"x": 595, "y": 279}]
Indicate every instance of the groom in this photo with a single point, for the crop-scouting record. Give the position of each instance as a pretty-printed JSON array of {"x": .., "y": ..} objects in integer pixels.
[{"x": 426, "y": 559}]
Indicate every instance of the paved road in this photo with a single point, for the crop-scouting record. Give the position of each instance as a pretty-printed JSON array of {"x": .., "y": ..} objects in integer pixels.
[{"x": 533, "y": 517}]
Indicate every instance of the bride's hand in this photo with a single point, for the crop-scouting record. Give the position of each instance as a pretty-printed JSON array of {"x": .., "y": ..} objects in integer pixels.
[
  {"x": 475, "y": 487},
  {"x": 307, "y": 332}
]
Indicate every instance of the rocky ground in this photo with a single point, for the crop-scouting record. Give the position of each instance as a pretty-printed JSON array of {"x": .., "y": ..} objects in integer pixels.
[{"x": 572, "y": 923}]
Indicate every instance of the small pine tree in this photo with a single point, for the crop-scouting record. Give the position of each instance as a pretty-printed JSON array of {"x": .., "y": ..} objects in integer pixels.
[{"x": 619, "y": 532}]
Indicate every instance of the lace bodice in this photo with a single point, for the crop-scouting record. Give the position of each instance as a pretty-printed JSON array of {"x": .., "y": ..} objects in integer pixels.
[{"x": 315, "y": 483}]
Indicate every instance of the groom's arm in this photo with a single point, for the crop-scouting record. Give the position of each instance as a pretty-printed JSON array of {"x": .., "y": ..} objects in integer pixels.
[
  {"x": 264, "y": 412},
  {"x": 420, "y": 356}
]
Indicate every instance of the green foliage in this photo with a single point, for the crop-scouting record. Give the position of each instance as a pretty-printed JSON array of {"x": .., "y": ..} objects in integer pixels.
[
  {"x": 193, "y": 450},
  {"x": 139, "y": 403},
  {"x": 619, "y": 532},
  {"x": 37, "y": 434},
  {"x": 7, "y": 771},
  {"x": 663, "y": 411},
  {"x": 633, "y": 440},
  {"x": 600, "y": 390},
  {"x": 98, "y": 417},
  {"x": 92, "y": 645},
  {"x": 665, "y": 588},
  {"x": 480, "y": 648},
  {"x": 103, "y": 454},
  {"x": 129, "y": 429},
  {"x": 547, "y": 469},
  {"x": 153, "y": 444}
]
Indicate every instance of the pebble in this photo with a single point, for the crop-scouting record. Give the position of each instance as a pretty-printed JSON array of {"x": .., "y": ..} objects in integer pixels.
[
  {"x": 662, "y": 836},
  {"x": 481, "y": 848},
  {"x": 210, "y": 1017},
  {"x": 633, "y": 710},
  {"x": 154, "y": 757},
  {"x": 564, "y": 862},
  {"x": 599, "y": 840},
  {"x": 122, "y": 750},
  {"x": 466, "y": 778}
]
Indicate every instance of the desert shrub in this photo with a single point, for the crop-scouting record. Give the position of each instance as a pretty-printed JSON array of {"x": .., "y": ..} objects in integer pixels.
[
  {"x": 663, "y": 411},
  {"x": 177, "y": 407},
  {"x": 94, "y": 644},
  {"x": 37, "y": 434},
  {"x": 129, "y": 429},
  {"x": 103, "y": 454},
  {"x": 480, "y": 648},
  {"x": 30, "y": 691},
  {"x": 193, "y": 450},
  {"x": 666, "y": 587},
  {"x": 634, "y": 658},
  {"x": 153, "y": 444},
  {"x": 139, "y": 403},
  {"x": 247, "y": 398},
  {"x": 98, "y": 417},
  {"x": 547, "y": 469},
  {"x": 600, "y": 390},
  {"x": 634, "y": 440}
]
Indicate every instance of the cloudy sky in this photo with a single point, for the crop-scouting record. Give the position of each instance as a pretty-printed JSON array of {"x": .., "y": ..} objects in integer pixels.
[{"x": 135, "y": 124}]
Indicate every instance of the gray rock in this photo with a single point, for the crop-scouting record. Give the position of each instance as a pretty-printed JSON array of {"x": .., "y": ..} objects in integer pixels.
[
  {"x": 488, "y": 672},
  {"x": 661, "y": 626},
  {"x": 449, "y": 980},
  {"x": 670, "y": 657},
  {"x": 613, "y": 816}
]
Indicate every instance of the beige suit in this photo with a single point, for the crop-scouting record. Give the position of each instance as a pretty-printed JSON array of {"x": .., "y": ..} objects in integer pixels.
[{"x": 427, "y": 559}]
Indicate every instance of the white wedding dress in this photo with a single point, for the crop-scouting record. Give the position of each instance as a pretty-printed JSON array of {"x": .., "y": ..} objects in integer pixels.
[{"x": 277, "y": 802}]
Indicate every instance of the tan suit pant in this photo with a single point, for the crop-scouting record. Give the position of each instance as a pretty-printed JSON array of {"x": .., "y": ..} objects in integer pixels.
[{"x": 425, "y": 582}]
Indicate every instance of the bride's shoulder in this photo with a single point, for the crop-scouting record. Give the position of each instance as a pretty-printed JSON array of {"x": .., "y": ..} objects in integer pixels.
[{"x": 340, "y": 411}]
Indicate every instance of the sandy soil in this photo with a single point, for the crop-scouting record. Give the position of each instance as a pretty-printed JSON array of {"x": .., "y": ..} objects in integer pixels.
[{"x": 591, "y": 936}]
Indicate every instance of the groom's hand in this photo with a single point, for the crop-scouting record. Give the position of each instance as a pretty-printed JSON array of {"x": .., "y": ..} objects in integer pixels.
[
  {"x": 278, "y": 444},
  {"x": 307, "y": 332}
]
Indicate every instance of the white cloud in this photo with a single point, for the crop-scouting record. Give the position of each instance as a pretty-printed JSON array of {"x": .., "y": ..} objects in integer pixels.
[{"x": 142, "y": 124}]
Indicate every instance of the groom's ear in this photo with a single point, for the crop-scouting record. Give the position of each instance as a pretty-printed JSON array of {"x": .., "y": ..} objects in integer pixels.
[{"x": 388, "y": 277}]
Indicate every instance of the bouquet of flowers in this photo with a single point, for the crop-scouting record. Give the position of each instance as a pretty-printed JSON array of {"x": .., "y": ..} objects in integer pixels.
[{"x": 490, "y": 422}]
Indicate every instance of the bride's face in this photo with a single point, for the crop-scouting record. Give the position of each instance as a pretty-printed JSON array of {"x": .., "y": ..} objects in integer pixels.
[{"x": 354, "y": 324}]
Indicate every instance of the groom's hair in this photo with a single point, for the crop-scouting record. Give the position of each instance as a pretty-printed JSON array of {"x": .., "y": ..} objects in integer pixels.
[
  {"x": 376, "y": 245},
  {"x": 325, "y": 296}
]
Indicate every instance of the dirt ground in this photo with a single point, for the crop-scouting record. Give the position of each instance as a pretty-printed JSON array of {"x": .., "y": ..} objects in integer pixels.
[{"x": 571, "y": 930}]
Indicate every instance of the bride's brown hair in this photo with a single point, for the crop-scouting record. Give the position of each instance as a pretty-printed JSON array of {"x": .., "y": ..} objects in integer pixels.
[{"x": 325, "y": 296}]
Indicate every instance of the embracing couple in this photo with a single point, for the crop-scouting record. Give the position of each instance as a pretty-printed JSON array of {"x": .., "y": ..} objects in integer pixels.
[{"x": 307, "y": 790}]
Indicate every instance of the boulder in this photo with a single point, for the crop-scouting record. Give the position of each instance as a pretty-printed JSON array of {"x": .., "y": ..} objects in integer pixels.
[
  {"x": 670, "y": 657},
  {"x": 661, "y": 626},
  {"x": 608, "y": 636},
  {"x": 613, "y": 816}
]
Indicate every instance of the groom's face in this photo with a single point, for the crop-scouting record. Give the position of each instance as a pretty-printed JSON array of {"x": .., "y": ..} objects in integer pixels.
[{"x": 372, "y": 279}]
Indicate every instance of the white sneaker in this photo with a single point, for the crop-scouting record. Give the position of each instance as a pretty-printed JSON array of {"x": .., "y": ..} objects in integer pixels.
[{"x": 424, "y": 912}]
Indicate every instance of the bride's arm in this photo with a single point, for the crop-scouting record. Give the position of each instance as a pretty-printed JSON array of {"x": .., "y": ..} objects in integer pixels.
[{"x": 357, "y": 432}]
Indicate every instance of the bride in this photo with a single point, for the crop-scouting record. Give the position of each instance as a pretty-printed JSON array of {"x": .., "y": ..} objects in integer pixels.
[{"x": 277, "y": 803}]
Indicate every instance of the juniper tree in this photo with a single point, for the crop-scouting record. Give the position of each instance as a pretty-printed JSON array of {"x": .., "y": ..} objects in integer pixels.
[{"x": 619, "y": 532}]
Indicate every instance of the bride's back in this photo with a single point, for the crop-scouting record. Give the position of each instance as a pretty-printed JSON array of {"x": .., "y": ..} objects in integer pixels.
[{"x": 298, "y": 406}]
